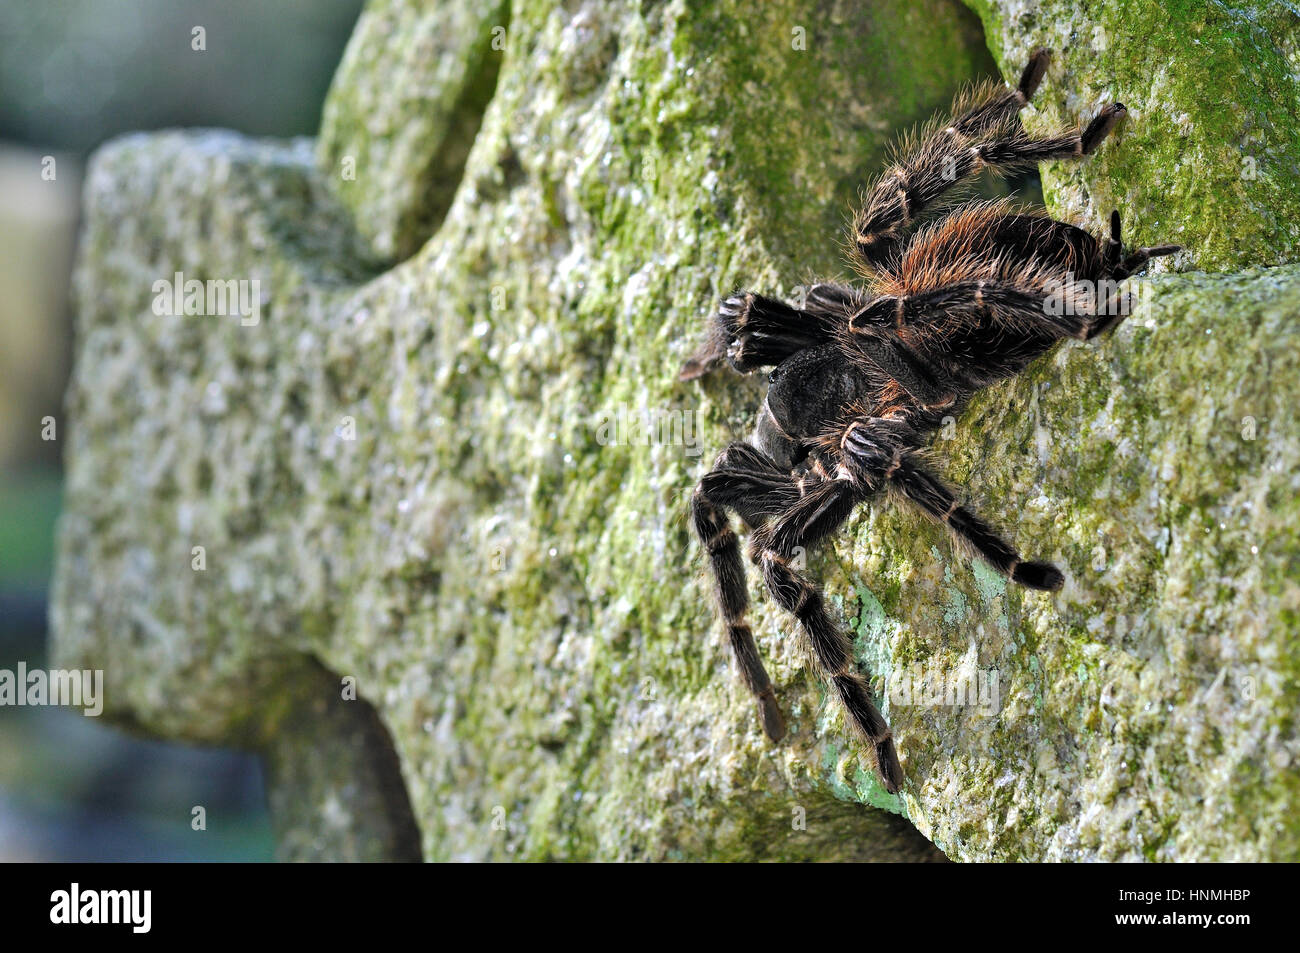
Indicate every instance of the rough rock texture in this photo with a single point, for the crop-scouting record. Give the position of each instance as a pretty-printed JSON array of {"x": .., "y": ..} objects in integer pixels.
[
  {"x": 396, "y": 150},
  {"x": 431, "y": 479},
  {"x": 1211, "y": 147}
]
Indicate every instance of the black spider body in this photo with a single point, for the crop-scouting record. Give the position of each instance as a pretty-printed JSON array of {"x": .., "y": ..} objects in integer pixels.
[
  {"x": 861, "y": 378},
  {"x": 806, "y": 394}
]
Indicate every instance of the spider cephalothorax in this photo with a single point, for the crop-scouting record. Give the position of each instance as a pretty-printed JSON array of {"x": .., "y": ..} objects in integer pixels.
[{"x": 863, "y": 377}]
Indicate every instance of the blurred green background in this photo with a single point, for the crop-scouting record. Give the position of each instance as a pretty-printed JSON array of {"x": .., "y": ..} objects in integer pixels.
[{"x": 74, "y": 73}]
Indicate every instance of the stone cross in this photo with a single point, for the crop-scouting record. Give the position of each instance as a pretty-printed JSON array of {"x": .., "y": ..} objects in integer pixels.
[{"x": 378, "y": 460}]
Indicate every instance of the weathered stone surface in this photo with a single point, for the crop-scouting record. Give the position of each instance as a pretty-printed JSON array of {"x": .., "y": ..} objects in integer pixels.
[
  {"x": 404, "y": 478},
  {"x": 1210, "y": 152},
  {"x": 395, "y": 151},
  {"x": 1146, "y": 710}
]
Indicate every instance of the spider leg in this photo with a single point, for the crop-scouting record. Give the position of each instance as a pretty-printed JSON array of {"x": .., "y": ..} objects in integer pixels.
[
  {"x": 1019, "y": 150},
  {"x": 822, "y": 509},
  {"x": 749, "y": 482},
  {"x": 999, "y": 109},
  {"x": 1111, "y": 312},
  {"x": 997, "y": 326},
  {"x": 1138, "y": 258},
  {"x": 928, "y": 385},
  {"x": 925, "y": 490},
  {"x": 741, "y": 473},
  {"x": 937, "y": 162},
  {"x": 927, "y": 308},
  {"x": 1114, "y": 247},
  {"x": 983, "y": 138},
  {"x": 899, "y": 198},
  {"x": 1017, "y": 309},
  {"x": 751, "y": 330}
]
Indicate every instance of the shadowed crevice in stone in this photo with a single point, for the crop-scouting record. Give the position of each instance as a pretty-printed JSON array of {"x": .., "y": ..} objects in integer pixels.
[
  {"x": 334, "y": 781},
  {"x": 828, "y": 829},
  {"x": 447, "y": 165},
  {"x": 395, "y": 152}
]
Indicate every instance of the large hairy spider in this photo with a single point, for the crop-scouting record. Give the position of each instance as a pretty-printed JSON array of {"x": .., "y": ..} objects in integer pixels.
[{"x": 862, "y": 377}]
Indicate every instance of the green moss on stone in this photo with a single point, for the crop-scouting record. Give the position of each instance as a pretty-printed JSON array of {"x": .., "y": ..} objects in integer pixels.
[
  {"x": 521, "y": 600},
  {"x": 1209, "y": 155}
]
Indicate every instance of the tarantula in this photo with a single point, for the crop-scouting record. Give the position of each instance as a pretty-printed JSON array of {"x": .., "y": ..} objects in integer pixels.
[{"x": 863, "y": 377}]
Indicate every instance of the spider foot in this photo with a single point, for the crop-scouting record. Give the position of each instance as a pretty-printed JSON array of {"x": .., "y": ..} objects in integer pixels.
[
  {"x": 891, "y": 772},
  {"x": 1043, "y": 576},
  {"x": 1034, "y": 72},
  {"x": 1100, "y": 127},
  {"x": 733, "y": 314},
  {"x": 769, "y": 714},
  {"x": 722, "y": 342}
]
